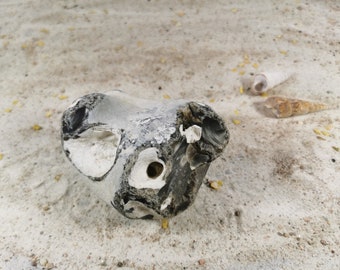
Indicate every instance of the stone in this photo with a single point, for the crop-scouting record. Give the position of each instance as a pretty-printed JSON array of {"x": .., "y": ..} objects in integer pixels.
[{"x": 146, "y": 158}]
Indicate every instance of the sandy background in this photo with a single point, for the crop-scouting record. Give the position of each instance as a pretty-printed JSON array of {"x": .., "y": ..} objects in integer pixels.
[{"x": 279, "y": 207}]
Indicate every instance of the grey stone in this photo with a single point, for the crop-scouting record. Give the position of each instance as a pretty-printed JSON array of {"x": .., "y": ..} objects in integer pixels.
[{"x": 146, "y": 158}]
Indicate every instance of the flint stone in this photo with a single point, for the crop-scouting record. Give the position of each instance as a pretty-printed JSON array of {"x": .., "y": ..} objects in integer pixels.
[{"x": 146, "y": 158}]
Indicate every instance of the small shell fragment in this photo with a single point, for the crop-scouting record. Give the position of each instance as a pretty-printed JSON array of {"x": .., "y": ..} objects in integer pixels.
[
  {"x": 36, "y": 127},
  {"x": 267, "y": 80},
  {"x": 62, "y": 97},
  {"x": 282, "y": 107},
  {"x": 216, "y": 185},
  {"x": 236, "y": 121},
  {"x": 165, "y": 223},
  {"x": 336, "y": 148},
  {"x": 317, "y": 131}
]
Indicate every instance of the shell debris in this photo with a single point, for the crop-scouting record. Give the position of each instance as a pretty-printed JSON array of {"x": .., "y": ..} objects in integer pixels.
[
  {"x": 317, "y": 131},
  {"x": 282, "y": 107},
  {"x": 57, "y": 177},
  {"x": 62, "y": 97},
  {"x": 243, "y": 66},
  {"x": 48, "y": 114},
  {"x": 36, "y": 127},
  {"x": 164, "y": 223},
  {"x": 44, "y": 30},
  {"x": 236, "y": 121},
  {"x": 215, "y": 184}
]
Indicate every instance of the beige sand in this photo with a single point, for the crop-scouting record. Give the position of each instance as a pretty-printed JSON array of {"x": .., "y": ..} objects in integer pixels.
[{"x": 279, "y": 207}]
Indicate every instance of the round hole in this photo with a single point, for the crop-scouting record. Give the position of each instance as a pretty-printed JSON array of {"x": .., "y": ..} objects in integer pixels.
[
  {"x": 154, "y": 169},
  {"x": 259, "y": 87}
]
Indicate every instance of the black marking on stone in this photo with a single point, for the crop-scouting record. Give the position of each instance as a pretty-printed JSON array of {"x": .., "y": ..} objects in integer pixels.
[
  {"x": 130, "y": 210},
  {"x": 147, "y": 217}
]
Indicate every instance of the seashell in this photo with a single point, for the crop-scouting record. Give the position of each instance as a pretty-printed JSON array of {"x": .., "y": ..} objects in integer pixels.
[
  {"x": 145, "y": 158},
  {"x": 267, "y": 80},
  {"x": 283, "y": 107}
]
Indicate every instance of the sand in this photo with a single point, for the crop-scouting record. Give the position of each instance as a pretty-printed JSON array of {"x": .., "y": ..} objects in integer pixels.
[{"x": 279, "y": 206}]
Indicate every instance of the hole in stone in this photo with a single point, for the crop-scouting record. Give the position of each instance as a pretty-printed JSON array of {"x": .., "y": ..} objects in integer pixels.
[
  {"x": 213, "y": 131},
  {"x": 154, "y": 169}
]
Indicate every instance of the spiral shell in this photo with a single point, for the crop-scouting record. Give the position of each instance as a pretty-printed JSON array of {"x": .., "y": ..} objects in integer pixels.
[
  {"x": 282, "y": 107},
  {"x": 267, "y": 80}
]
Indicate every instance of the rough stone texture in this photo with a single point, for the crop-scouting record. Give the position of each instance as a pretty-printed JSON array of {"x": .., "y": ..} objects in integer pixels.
[{"x": 140, "y": 150}]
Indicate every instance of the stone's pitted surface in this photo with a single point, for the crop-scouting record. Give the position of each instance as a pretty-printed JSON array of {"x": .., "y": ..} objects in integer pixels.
[{"x": 147, "y": 159}]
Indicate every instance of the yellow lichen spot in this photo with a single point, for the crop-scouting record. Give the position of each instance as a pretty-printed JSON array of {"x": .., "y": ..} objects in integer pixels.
[
  {"x": 40, "y": 43},
  {"x": 180, "y": 13},
  {"x": 164, "y": 223},
  {"x": 241, "y": 64},
  {"x": 236, "y": 112},
  {"x": 212, "y": 100},
  {"x": 44, "y": 30},
  {"x": 71, "y": 28},
  {"x": 241, "y": 72},
  {"x": 236, "y": 121},
  {"x": 166, "y": 96},
  {"x": 36, "y": 127},
  {"x": 241, "y": 90},
  {"x": 279, "y": 36},
  {"x": 24, "y": 46},
  {"x": 15, "y": 102},
  {"x": 140, "y": 43},
  {"x": 8, "y": 110},
  {"x": 234, "y": 10},
  {"x": 1, "y": 156},
  {"x": 62, "y": 97},
  {"x": 264, "y": 95},
  {"x": 283, "y": 52},
  {"x": 336, "y": 148},
  {"x": 48, "y": 114},
  {"x": 162, "y": 60},
  {"x": 294, "y": 41},
  {"x": 255, "y": 65},
  {"x": 317, "y": 131},
  {"x": 234, "y": 70},
  {"x": 57, "y": 177}
]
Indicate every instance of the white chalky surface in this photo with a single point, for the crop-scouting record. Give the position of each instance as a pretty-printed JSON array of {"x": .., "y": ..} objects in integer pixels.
[{"x": 279, "y": 206}]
